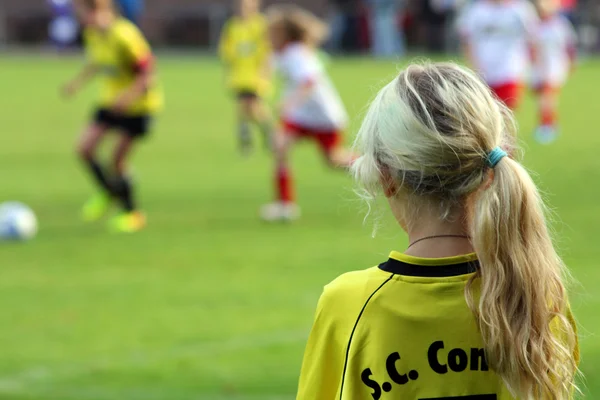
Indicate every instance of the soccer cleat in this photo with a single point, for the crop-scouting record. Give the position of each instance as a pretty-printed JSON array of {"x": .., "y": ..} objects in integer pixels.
[
  {"x": 128, "y": 222},
  {"x": 96, "y": 207},
  {"x": 546, "y": 134},
  {"x": 280, "y": 211}
]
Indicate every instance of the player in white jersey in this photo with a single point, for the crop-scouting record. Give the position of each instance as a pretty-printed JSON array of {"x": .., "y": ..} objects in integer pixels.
[
  {"x": 498, "y": 40},
  {"x": 311, "y": 107},
  {"x": 556, "y": 43}
]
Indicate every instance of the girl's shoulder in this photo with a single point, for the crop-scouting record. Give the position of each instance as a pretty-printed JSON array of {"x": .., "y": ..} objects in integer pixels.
[{"x": 355, "y": 285}]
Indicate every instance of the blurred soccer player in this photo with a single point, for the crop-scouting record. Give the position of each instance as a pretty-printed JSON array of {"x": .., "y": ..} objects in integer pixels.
[
  {"x": 246, "y": 53},
  {"x": 476, "y": 307},
  {"x": 117, "y": 51},
  {"x": 498, "y": 41},
  {"x": 310, "y": 107},
  {"x": 556, "y": 43}
]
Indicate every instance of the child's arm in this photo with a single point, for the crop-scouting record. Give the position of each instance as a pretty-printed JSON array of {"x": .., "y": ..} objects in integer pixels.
[
  {"x": 298, "y": 97},
  {"x": 469, "y": 55},
  {"x": 85, "y": 75},
  {"x": 226, "y": 46},
  {"x": 143, "y": 80},
  {"x": 464, "y": 27},
  {"x": 140, "y": 56},
  {"x": 304, "y": 73},
  {"x": 571, "y": 49},
  {"x": 530, "y": 21}
]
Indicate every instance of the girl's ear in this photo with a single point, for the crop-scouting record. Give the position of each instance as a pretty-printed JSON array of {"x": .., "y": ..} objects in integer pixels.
[{"x": 388, "y": 183}]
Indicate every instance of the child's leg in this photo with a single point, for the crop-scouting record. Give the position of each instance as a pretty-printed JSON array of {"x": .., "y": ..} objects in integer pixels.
[
  {"x": 283, "y": 175},
  {"x": 548, "y": 105},
  {"x": 341, "y": 158},
  {"x": 86, "y": 149},
  {"x": 262, "y": 117},
  {"x": 336, "y": 156},
  {"x": 547, "y": 132},
  {"x": 244, "y": 120},
  {"x": 121, "y": 183},
  {"x": 284, "y": 208}
]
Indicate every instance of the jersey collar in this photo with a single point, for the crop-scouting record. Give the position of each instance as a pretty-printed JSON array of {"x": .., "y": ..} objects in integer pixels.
[{"x": 402, "y": 264}]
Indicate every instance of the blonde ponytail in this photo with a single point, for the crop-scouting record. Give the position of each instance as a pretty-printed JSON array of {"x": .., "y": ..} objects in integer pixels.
[
  {"x": 432, "y": 130},
  {"x": 521, "y": 310}
]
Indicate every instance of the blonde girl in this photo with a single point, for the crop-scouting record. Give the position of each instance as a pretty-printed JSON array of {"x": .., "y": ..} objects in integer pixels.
[
  {"x": 475, "y": 307},
  {"x": 556, "y": 49}
]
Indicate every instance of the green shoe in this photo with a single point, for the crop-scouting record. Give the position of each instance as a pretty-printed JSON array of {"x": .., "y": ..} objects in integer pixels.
[
  {"x": 96, "y": 207},
  {"x": 131, "y": 222}
]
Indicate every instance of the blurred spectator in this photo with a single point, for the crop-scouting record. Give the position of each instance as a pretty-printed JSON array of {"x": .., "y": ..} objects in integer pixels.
[
  {"x": 63, "y": 29},
  {"x": 346, "y": 19},
  {"x": 387, "y": 38},
  {"x": 131, "y": 9},
  {"x": 435, "y": 16},
  {"x": 339, "y": 12}
]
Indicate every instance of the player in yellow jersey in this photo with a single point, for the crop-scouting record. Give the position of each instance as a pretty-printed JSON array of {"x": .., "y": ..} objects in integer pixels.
[
  {"x": 475, "y": 308},
  {"x": 246, "y": 53},
  {"x": 118, "y": 52}
]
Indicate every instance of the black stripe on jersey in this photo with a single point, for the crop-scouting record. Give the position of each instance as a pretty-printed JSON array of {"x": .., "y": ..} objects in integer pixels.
[
  {"x": 439, "y": 271},
  {"x": 354, "y": 329},
  {"x": 473, "y": 397}
]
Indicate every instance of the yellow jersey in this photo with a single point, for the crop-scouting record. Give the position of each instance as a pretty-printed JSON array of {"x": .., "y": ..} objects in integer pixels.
[
  {"x": 402, "y": 330},
  {"x": 245, "y": 50},
  {"x": 119, "y": 52}
]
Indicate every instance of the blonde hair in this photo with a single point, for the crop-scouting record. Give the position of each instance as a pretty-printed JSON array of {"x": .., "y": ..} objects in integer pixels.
[
  {"x": 299, "y": 25},
  {"x": 431, "y": 130}
]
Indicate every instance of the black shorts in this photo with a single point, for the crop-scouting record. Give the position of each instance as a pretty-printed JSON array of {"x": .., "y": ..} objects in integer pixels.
[
  {"x": 247, "y": 95},
  {"x": 133, "y": 126}
]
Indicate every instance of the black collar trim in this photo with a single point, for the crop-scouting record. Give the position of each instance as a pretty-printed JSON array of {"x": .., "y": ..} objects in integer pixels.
[{"x": 441, "y": 271}]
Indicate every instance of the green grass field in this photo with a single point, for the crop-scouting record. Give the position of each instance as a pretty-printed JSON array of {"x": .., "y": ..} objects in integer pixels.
[{"x": 208, "y": 302}]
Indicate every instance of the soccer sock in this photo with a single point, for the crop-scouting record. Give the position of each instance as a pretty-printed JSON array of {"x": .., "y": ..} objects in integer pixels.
[
  {"x": 123, "y": 189},
  {"x": 100, "y": 175},
  {"x": 244, "y": 135},
  {"x": 267, "y": 128},
  {"x": 548, "y": 117},
  {"x": 284, "y": 185}
]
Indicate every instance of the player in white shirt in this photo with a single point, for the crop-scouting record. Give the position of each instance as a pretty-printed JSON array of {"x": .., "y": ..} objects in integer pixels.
[
  {"x": 310, "y": 106},
  {"x": 556, "y": 43},
  {"x": 498, "y": 41}
]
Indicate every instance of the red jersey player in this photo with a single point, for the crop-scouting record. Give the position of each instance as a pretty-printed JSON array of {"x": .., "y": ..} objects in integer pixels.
[
  {"x": 311, "y": 107},
  {"x": 498, "y": 39},
  {"x": 555, "y": 41}
]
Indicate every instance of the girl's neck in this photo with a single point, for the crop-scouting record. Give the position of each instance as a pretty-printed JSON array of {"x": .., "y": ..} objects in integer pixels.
[
  {"x": 440, "y": 246},
  {"x": 434, "y": 238},
  {"x": 246, "y": 17},
  {"x": 105, "y": 22}
]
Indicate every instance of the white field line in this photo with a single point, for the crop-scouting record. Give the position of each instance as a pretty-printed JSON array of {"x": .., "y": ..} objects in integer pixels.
[{"x": 21, "y": 382}]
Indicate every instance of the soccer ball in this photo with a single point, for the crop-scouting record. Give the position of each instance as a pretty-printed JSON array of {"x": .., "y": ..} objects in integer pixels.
[{"x": 17, "y": 222}]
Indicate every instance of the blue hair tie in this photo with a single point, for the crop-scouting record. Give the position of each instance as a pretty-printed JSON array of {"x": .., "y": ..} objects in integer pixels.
[{"x": 495, "y": 156}]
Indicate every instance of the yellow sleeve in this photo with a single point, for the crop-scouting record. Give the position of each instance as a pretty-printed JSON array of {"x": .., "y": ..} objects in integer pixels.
[
  {"x": 87, "y": 45},
  {"x": 227, "y": 44},
  {"x": 264, "y": 45},
  {"x": 134, "y": 45},
  {"x": 323, "y": 363}
]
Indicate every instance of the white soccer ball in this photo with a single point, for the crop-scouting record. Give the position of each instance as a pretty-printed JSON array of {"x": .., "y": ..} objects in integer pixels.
[{"x": 17, "y": 222}]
